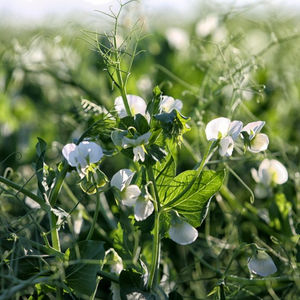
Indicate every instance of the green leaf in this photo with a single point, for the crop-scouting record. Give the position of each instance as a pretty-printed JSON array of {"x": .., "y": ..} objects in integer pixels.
[
  {"x": 141, "y": 124},
  {"x": 156, "y": 153},
  {"x": 164, "y": 174},
  {"x": 153, "y": 105},
  {"x": 194, "y": 203},
  {"x": 81, "y": 276},
  {"x": 174, "y": 124}
]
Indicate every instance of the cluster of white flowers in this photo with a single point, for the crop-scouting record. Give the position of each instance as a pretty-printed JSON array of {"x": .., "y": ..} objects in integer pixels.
[
  {"x": 130, "y": 194},
  {"x": 86, "y": 153},
  {"x": 227, "y": 132}
]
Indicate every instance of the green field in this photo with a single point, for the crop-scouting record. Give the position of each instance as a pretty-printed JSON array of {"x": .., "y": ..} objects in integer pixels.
[{"x": 58, "y": 85}]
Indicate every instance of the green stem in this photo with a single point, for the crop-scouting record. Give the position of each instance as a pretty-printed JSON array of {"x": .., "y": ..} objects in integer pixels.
[
  {"x": 54, "y": 231},
  {"x": 121, "y": 85},
  {"x": 108, "y": 276},
  {"x": 248, "y": 211},
  {"x": 260, "y": 281},
  {"x": 24, "y": 191},
  {"x": 199, "y": 170},
  {"x": 153, "y": 188},
  {"x": 155, "y": 252},
  {"x": 156, "y": 238},
  {"x": 58, "y": 184},
  {"x": 95, "y": 217}
]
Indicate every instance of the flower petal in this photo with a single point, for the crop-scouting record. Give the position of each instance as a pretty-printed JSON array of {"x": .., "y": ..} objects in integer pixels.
[
  {"x": 254, "y": 174},
  {"x": 136, "y": 104},
  {"x": 261, "y": 191},
  {"x": 262, "y": 264},
  {"x": 90, "y": 151},
  {"x": 127, "y": 142},
  {"x": 280, "y": 174},
  {"x": 122, "y": 179},
  {"x": 167, "y": 104},
  {"x": 139, "y": 154},
  {"x": 120, "y": 108},
  {"x": 183, "y": 233},
  {"x": 272, "y": 171},
  {"x": 253, "y": 128},
  {"x": 226, "y": 146},
  {"x": 69, "y": 151},
  {"x": 217, "y": 129},
  {"x": 143, "y": 139},
  {"x": 259, "y": 143},
  {"x": 130, "y": 195},
  {"x": 235, "y": 129},
  {"x": 143, "y": 209}
]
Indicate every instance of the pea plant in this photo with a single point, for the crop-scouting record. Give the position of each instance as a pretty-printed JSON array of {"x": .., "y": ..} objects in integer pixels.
[{"x": 152, "y": 199}]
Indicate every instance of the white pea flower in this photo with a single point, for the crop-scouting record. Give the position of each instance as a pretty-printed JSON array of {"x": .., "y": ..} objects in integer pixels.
[
  {"x": 136, "y": 104},
  {"x": 261, "y": 264},
  {"x": 207, "y": 25},
  {"x": 167, "y": 104},
  {"x": 258, "y": 141},
  {"x": 82, "y": 155},
  {"x": 143, "y": 208},
  {"x": 138, "y": 145},
  {"x": 177, "y": 38},
  {"x": 130, "y": 194},
  {"x": 225, "y": 131},
  {"x": 116, "y": 267},
  {"x": 182, "y": 232},
  {"x": 270, "y": 171}
]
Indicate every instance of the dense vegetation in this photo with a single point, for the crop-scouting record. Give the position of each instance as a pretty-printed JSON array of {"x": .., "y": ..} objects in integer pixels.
[{"x": 60, "y": 84}]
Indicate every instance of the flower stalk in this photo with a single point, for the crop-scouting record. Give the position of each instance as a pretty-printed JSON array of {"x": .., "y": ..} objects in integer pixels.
[{"x": 156, "y": 237}]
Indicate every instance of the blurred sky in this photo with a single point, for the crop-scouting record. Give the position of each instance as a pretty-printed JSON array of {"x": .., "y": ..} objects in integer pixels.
[{"x": 35, "y": 11}]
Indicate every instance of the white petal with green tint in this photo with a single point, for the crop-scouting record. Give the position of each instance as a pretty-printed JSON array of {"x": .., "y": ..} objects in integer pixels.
[
  {"x": 143, "y": 209},
  {"x": 80, "y": 156},
  {"x": 130, "y": 195},
  {"x": 235, "y": 128},
  {"x": 259, "y": 143},
  {"x": 91, "y": 151},
  {"x": 136, "y": 104},
  {"x": 183, "y": 233},
  {"x": 226, "y": 146},
  {"x": 138, "y": 154},
  {"x": 262, "y": 264},
  {"x": 253, "y": 128},
  {"x": 122, "y": 179},
  {"x": 167, "y": 104},
  {"x": 217, "y": 129},
  {"x": 272, "y": 171},
  {"x": 69, "y": 151}
]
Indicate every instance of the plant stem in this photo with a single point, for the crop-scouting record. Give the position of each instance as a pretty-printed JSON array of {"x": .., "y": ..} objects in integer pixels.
[
  {"x": 24, "y": 191},
  {"x": 95, "y": 217},
  {"x": 155, "y": 252},
  {"x": 121, "y": 85},
  {"x": 153, "y": 188},
  {"x": 54, "y": 231},
  {"x": 156, "y": 238},
  {"x": 58, "y": 184},
  {"x": 108, "y": 276}
]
